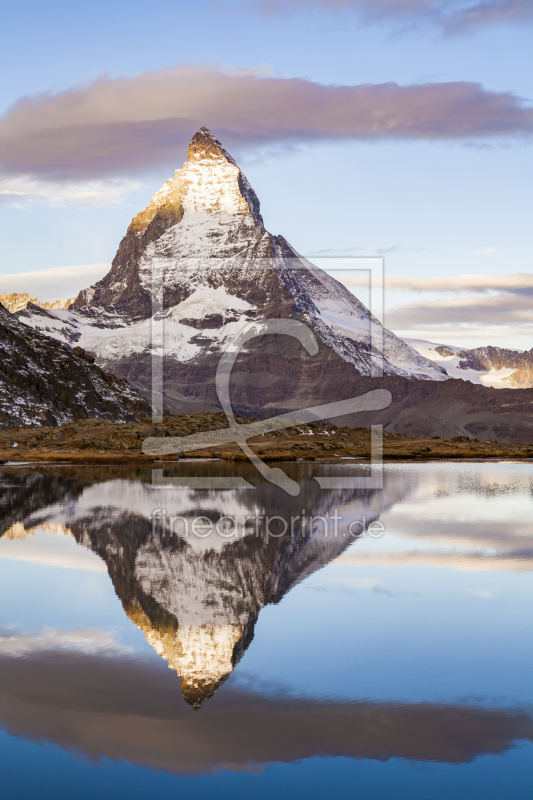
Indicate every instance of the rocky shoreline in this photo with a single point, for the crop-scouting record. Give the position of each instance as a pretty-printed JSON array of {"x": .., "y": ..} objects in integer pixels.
[{"x": 98, "y": 441}]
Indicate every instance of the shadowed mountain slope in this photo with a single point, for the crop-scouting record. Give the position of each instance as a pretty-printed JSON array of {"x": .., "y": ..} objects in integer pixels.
[{"x": 44, "y": 383}]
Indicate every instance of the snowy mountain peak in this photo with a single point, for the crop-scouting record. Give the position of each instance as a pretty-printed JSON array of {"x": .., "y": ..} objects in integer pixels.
[{"x": 210, "y": 181}]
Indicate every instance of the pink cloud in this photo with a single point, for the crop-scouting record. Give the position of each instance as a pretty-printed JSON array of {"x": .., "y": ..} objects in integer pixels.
[
  {"x": 501, "y": 309},
  {"x": 131, "y": 124},
  {"x": 451, "y": 16}
]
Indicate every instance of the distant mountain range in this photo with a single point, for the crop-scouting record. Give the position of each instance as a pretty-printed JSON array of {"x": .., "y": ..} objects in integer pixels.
[
  {"x": 16, "y": 302},
  {"x": 490, "y": 366}
]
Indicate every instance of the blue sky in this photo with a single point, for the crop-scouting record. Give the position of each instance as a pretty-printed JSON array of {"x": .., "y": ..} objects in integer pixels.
[{"x": 445, "y": 194}]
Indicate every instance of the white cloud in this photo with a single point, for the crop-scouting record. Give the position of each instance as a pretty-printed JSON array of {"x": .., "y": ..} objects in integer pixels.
[
  {"x": 57, "y": 283},
  {"x": 519, "y": 282},
  {"x": 471, "y": 336},
  {"x": 501, "y": 309},
  {"x": 479, "y": 310},
  {"x": 464, "y": 562},
  {"x": 90, "y": 641},
  {"x": 49, "y": 545},
  {"x": 18, "y": 189}
]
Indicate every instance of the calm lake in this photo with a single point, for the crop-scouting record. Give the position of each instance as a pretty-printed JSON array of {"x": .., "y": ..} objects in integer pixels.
[{"x": 161, "y": 638}]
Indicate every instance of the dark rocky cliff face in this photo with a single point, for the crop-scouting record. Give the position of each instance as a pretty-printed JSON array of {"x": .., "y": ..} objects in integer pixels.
[{"x": 43, "y": 383}]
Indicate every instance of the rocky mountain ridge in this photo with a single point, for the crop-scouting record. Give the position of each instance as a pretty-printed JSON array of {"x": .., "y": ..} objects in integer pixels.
[
  {"x": 500, "y": 358},
  {"x": 498, "y": 367},
  {"x": 486, "y": 358},
  {"x": 522, "y": 378},
  {"x": 18, "y": 301},
  {"x": 44, "y": 383}
]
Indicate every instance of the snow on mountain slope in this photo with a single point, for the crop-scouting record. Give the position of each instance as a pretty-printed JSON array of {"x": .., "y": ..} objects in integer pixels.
[
  {"x": 44, "y": 383},
  {"x": 451, "y": 357},
  {"x": 201, "y": 242}
]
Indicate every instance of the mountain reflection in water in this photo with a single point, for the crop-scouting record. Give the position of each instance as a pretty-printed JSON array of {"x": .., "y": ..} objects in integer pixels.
[{"x": 195, "y": 599}]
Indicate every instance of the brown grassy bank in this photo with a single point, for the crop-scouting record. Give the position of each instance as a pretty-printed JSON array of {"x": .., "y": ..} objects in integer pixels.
[{"x": 97, "y": 441}]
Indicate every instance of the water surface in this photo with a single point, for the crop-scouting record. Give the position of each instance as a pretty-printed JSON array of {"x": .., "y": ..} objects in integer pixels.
[{"x": 171, "y": 642}]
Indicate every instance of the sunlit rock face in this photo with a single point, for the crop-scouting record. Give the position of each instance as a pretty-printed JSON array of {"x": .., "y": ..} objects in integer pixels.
[
  {"x": 207, "y": 213},
  {"x": 209, "y": 182},
  {"x": 17, "y": 301},
  {"x": 522, "y": 377},
  {"x": 203, "y": 655},
  {"x": 197, "y": 599}
]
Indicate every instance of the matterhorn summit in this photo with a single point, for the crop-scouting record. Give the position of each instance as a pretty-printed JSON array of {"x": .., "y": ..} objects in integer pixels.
[
  {"x": 201, "y": 247},
  {"x": 208, "y": 210}
]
